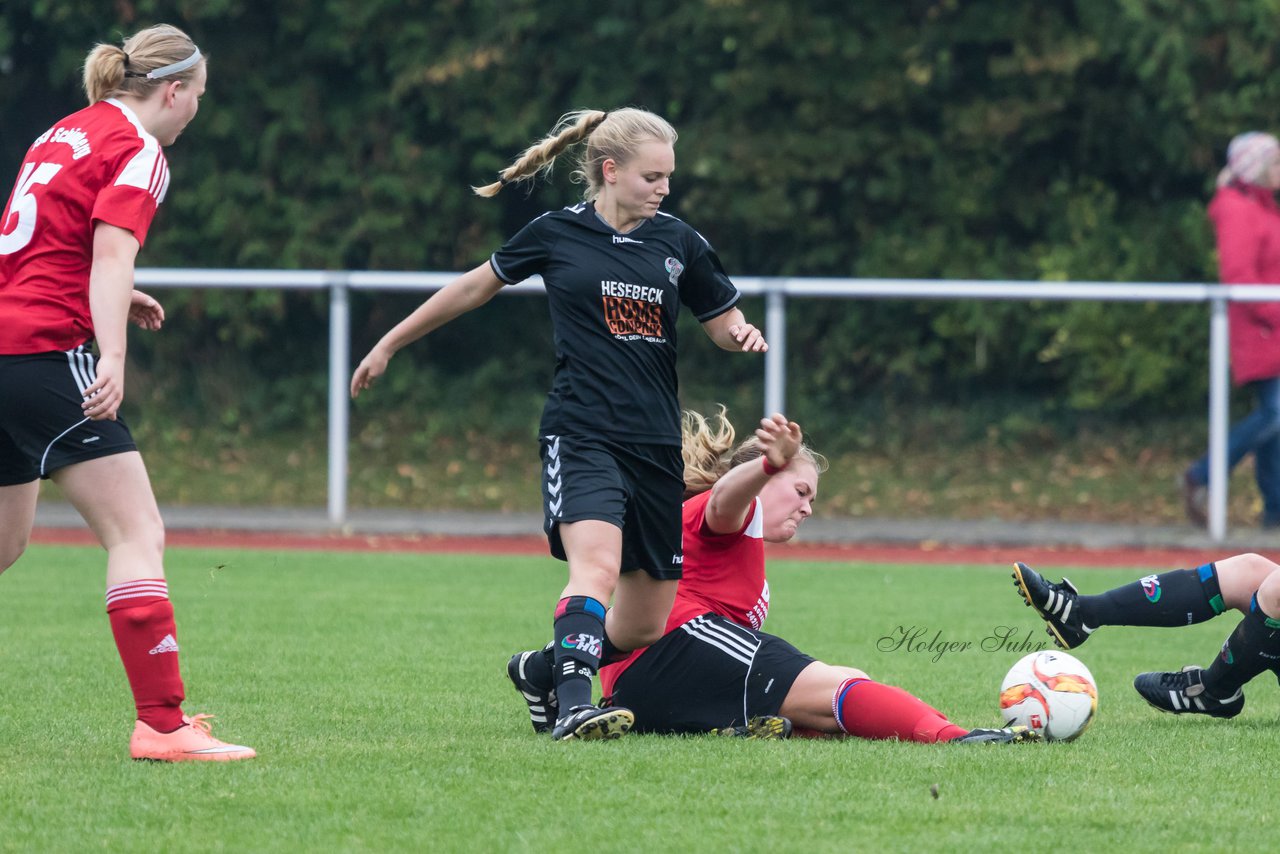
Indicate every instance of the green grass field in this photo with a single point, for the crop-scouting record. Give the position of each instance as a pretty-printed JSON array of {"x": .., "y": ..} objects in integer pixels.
[{"x": 373, "y": 688}]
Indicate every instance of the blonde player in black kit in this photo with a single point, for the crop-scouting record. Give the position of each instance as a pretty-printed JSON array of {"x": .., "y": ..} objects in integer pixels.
[{"x": 616, "y": 271}]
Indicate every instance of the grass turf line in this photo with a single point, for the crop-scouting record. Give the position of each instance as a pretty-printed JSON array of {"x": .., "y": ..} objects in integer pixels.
[{"x": 373, "y": 688}]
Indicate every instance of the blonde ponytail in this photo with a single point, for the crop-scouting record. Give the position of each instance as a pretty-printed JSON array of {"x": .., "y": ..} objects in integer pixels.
[
  {"x": 613, "y": 135},
  {"x": 541, "y": 156},
  {"x": 111, "y": 71},
  {"x": 103, "y": 72},
  {"x": 705, "y": 447}
]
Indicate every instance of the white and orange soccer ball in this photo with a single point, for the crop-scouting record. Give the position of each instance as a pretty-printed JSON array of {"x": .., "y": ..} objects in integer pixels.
[{"x": 1052, "y": 693}]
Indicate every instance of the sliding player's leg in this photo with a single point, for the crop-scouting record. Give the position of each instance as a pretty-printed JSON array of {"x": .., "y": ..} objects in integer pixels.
[{"x": 834, "y": 700}]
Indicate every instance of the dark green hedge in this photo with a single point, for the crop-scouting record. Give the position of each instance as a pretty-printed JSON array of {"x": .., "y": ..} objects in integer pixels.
[{"x": 945, "y": 139}]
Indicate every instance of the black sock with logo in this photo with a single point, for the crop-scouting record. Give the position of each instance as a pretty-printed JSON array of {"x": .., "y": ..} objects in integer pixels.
[
  {"x": 579, "y": 633},
  {"x": 1177, "y": 598},
  {"x": 1253, "y": 647}
]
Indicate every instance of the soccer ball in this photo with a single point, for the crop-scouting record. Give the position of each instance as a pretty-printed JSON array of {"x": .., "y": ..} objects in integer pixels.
[{"x": 1051, "y": 693}]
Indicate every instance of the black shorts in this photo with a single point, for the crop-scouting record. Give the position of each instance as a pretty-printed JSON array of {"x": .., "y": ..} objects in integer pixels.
[
  {"x": 639, "y": 488},
  {"x": 708, "y": 673},
  {"x": 42, "y": 427}
]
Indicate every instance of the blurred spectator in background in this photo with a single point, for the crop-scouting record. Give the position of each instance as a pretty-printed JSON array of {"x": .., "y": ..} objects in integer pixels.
[{"x": 1246, "y": 221}]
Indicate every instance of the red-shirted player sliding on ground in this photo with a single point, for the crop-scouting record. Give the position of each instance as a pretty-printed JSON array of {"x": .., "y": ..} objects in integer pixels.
[
  {"x": 86, "y": 193},
  {"x": 714, "y": 670}
]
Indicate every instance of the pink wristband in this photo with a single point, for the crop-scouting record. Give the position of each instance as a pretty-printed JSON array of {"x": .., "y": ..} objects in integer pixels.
[{"x": 770, "y": 470}]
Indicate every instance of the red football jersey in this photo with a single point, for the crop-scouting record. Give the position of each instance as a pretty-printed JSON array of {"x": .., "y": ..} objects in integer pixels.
[
  {"x": 723, "y": 574},
  {"x": 97, "y": 165}
]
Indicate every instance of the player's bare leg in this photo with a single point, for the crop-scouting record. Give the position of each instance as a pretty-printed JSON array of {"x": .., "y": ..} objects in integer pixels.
[
  {"x": 114, "y": 496},
  {"x": 808, "y": 703},
  {"x": 1240, "y": 576},
  {"x": 640, "y": 609},
  {"x": 17, "y": 515}
]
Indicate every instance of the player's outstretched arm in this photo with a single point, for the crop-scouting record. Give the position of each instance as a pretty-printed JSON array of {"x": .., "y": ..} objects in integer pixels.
[
  {"x": 733, "y": 494},
  {"x": 470, "y": 290},
  {"x": 731, "y": 331}
]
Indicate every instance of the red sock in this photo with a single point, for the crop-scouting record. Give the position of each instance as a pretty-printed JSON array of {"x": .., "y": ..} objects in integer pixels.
[
  {"x": 872, "y": 710},
  {"x": 142, "y": 622}
]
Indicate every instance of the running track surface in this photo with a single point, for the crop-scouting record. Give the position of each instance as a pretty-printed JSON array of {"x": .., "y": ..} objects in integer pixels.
[{"x": 923, "y": 553}]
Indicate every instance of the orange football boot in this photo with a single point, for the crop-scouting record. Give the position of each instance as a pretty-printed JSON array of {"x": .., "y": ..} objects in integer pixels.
[{"x": 189, "y": 743}]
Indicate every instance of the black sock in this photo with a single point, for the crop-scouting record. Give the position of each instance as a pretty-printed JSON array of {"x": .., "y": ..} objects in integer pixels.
[
  {"x": 1177, "y": 598},
  {"x": 1253, "y": 647},
  {"x": 579, "y": 629}
]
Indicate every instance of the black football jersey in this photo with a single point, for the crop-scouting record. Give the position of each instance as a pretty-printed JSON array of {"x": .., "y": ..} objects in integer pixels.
[{"x": 614, "y": 301}]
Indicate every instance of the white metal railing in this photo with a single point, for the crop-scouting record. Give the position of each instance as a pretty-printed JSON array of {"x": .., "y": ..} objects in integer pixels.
[{"x": 776, "y": 292}]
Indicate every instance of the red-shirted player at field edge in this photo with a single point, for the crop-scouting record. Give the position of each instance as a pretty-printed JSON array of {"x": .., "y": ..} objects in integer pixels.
[
  {"x": 86, "y": 193},
  {"x": 714, "y": 670}
]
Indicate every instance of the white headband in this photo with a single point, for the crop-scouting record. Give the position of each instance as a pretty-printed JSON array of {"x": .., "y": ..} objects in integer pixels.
[{"x": 180, "y": 65}]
